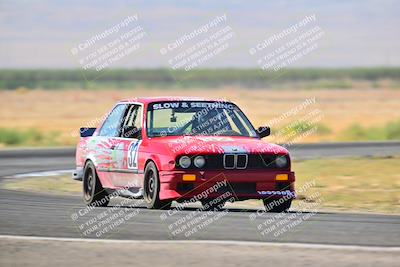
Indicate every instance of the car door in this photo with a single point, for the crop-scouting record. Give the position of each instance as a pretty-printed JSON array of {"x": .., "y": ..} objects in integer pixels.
[
  {"x": 125, "y": 155},
  {"x": 105, "y": 142}
]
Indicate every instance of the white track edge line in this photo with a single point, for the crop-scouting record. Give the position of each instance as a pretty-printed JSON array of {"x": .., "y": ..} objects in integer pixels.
[{"x": 212, "y": 242}]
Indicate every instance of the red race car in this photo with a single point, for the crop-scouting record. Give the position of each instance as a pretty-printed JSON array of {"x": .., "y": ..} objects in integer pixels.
[{"x": 185, "y": 150}]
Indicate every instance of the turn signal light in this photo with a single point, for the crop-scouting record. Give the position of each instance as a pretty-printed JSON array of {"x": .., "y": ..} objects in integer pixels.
[
  {"x": 282, "y": 177},
  {"x": 189, "y": 177}
]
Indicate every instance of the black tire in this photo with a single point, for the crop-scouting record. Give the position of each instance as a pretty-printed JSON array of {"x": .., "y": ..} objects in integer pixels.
[
  {"x": 209, "y": 205},
  {"x": 276, "y": 205},
  {"x": 93, "y": 192},
  {"x": 151, "y": 189}
]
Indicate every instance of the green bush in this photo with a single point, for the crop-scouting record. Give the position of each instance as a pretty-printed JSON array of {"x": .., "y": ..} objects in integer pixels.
[
  {"x": 323, "y": 129},
  {"x": 393, "y": 130},
  {"x": 300, "y": 127},
  {"x": 390, "y": 131},
  {"x": 10, "y": 137},
  {"x": 29, "y": 137},
  {"x": 156, "y": 78}
]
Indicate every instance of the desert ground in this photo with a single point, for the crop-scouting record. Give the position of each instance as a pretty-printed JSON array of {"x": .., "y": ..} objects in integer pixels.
[{"x": 61, "y": 112}]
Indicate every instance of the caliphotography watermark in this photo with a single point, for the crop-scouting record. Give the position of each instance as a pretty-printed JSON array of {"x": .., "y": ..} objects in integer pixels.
[
  {"x": 283, "y": 49},
  {"x": 294, "y": 125},
  {"x": 106, "y": 48},
  {"x": 195, "y": 48},
  {"x": 92, "y": 222},
  {"x": 185, "y": 220},
  {"x": 273, "y": 225}
]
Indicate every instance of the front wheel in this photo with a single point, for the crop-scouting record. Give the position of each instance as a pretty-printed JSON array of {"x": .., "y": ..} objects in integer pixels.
[
  {"x": 277, "y": 205},
  {"x": 93, "y": 192},
  {"x": 151, "y": 189}
]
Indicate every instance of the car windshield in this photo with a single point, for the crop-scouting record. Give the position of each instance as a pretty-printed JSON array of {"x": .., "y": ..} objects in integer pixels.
[{"x": 204, "y": 118}]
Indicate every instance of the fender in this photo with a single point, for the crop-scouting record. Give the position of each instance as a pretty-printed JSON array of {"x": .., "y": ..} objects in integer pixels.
[{"x": 156, "y": 159}]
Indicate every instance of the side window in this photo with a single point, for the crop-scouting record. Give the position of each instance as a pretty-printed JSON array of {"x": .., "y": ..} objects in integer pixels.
[
  {"x": 112, "y": 125},
  {"x": 137, "y": 119},
  {"x": 132, "y": 126},
  {"x": 134, "y": 116}
]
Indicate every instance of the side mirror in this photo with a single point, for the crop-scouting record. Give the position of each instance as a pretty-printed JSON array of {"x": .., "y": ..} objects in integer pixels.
[
  {"x": 131, "y": 132},
  {"x": 263, "y": 131},
  {"x": 86, "y": 132}
]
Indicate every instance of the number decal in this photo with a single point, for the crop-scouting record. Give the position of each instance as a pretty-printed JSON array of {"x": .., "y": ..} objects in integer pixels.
[{"x": 133, "y": 151}]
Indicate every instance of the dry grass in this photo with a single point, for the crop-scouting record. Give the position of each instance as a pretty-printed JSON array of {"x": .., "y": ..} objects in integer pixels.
[
  {"x": 354, "y": 184},
  {"x": 65, "y": 111},
  {"x": 59, "y": 185}
]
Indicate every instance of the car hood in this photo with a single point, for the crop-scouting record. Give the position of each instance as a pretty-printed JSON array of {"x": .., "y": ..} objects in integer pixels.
[{"x": 216, "y": 145}]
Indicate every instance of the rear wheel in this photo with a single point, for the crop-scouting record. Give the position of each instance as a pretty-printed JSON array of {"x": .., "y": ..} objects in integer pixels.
[
  {"x": 277, "y": 205},
  {"x": 93, "y": 192},
  {"x": 151, "y": 189}
]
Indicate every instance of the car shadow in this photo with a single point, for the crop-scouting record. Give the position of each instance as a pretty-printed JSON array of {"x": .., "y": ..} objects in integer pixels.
[{"x": 230, "y": 209}]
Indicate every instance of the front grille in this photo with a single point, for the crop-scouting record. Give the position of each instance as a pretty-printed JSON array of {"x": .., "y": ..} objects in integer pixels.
[
  {"x": 241, "y": 161},
  {"x": 238, "y": 188},
  {"x": 184, "y": 187},
  {"x": 282, "y": 186},
  {"x": 229, "y": 161},
  {"x": 235, "y": 161},
  {"x": 234, "y": 188}
]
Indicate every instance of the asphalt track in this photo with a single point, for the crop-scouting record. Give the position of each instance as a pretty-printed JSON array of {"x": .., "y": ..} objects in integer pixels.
[
  {"x": 31, "y": 214},
  {"x": 40, "y": 215}
]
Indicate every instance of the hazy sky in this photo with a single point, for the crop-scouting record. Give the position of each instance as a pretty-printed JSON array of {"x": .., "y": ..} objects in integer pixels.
[{"x": 42, "y": 33}]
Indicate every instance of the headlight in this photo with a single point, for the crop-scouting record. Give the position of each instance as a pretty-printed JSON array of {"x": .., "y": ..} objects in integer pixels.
[
  {"x": 281, "y": 161},
  {"x": 185, "y": 162},
  {"x": 199, "y": 161}
]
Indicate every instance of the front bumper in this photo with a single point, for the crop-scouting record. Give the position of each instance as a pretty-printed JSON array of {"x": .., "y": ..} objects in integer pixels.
[{"x": 243, "y": 184}]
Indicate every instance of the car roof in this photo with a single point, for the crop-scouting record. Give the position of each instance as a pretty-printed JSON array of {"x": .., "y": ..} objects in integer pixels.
[{"x": 146, "y": 100}]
